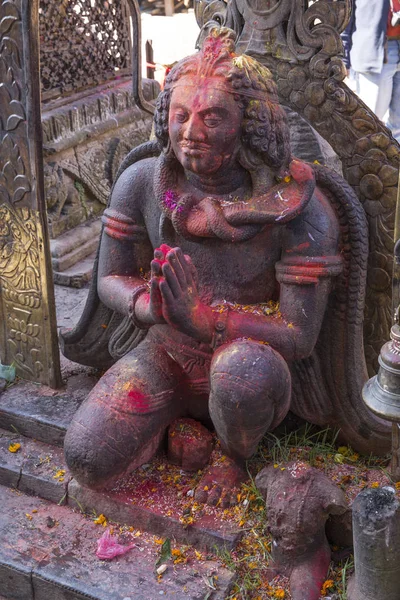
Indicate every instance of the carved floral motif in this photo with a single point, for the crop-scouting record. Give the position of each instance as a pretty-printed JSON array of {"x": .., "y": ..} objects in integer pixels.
[
  {"x": 11, "y": 108},
  {"x": 13, "y": 182}
]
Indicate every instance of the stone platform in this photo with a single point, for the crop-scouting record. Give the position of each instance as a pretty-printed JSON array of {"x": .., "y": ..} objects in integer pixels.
[
  {"x": 154, "y": 498},
  {"x": 39, "y": 563},
  {"x": 48, "y": 552}
]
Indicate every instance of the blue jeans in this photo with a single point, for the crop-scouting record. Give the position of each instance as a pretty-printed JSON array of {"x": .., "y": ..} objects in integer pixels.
[{"x": 381, "y": 91}]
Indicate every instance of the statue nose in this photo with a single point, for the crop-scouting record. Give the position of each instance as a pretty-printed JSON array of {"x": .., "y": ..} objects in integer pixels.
[{"x": 194, "y": 130}]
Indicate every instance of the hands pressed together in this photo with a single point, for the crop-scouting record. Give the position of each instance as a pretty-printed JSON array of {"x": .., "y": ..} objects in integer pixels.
[{"x": 173, "y": 296}]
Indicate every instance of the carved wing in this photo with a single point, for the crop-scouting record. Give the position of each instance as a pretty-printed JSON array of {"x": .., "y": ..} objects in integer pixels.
[
  {"x": 327, "y": 386},
  {"x": 102, "y": 335}
]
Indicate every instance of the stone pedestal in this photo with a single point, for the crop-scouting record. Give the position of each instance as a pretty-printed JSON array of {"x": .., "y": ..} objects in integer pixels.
[{"x": 376, "y": 531}]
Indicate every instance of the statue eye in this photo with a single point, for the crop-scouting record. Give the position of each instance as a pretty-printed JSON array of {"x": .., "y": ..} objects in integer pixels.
[
  {"x": 212, "y": 120},
  {"x": 181, "y": 116}
]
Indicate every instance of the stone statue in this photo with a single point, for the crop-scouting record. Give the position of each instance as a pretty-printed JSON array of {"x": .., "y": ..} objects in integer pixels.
[
  {"x": 253, "y": 301},
  {"x": 299, "y": 499}
]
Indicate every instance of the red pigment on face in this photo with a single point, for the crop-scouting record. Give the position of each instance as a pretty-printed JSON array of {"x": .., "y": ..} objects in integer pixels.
[{"x": 138, "y": 401}]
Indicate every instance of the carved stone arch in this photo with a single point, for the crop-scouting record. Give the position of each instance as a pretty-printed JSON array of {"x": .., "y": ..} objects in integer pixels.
[{"x": 300, "y": 43}]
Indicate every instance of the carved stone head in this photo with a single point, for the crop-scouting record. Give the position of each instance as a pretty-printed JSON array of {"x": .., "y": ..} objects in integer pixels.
[{"x": 263, "y": 129}]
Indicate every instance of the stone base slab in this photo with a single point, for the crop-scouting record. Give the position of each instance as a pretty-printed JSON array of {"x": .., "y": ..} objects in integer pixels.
[
  {"x": 42, "y": 413},
  {"x": 39, "y": 469},
  {"x": 209, "y": 532},
  {"x": 48, "y": 552}
]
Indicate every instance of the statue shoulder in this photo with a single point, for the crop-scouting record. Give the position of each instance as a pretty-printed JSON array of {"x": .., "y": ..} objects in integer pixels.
[
  {"x": 316, "y": 230},
  {"x": 134, "y": 187}
]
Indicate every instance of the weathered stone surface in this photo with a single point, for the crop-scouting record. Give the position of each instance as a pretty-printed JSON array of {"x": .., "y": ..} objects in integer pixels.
[
  {"x": 78, "y": 275},
  {"x": 40, "y": 412},
  {"x": 35, "y": 469},
  {"x": 70, "y": 303},
  {"x": 59, "y": 563},
  {"x": 189, "y": 444},
  {"x": 207, "y": 532}
]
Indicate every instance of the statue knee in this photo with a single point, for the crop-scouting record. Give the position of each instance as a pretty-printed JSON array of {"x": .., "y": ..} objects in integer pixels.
[
  {"x": 92, "y": 462},
  {"x": 250, "y": 393},
  {"x": 246, "y": 369}
]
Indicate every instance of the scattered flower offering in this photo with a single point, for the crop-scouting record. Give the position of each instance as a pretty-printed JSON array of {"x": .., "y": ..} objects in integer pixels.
[
  {"x": 101, "y": 520},
  {"x": 14, "y": 447}
]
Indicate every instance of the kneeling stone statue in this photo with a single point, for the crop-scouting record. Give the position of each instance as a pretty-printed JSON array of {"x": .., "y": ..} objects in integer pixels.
[{"x": 230, "y": 283}]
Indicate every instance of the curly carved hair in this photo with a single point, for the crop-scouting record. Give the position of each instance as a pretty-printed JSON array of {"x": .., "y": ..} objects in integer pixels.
[{"x": 265, "y": 132}]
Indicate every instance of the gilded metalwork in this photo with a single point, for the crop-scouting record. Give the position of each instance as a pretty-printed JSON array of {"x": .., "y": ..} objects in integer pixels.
[
  {"x": 27, "y": 311},
  {"x": 82, "y": 44}
]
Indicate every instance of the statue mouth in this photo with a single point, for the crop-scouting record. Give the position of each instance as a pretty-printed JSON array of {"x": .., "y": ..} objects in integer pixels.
[{"x": 193, "y": 148}]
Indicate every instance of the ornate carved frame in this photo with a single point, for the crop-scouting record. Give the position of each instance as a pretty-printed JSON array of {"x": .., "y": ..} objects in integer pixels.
[{"x": 28, "y": 336}]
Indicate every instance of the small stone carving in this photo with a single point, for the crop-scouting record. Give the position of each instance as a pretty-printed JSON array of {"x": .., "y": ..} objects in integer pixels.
[
  {"x": 189, "y": 444},
  {"x": 61, "y": 195},
  {"x": 299, "y": 500}
]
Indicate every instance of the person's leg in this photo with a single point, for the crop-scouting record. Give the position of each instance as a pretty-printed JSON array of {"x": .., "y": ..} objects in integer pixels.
[
  {"x": 386, "y": 89},
  {"x": 394, "y": 109},
  {"x": 122, "y": 421},
  {"x": 367, "y": 88}
]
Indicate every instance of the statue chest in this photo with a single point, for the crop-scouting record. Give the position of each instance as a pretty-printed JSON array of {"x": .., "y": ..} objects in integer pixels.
[{"x": 237, "y": 272}]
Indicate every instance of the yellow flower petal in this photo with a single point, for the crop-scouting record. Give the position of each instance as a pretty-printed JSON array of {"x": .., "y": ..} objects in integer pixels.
[{"x": 14, "y": 447}]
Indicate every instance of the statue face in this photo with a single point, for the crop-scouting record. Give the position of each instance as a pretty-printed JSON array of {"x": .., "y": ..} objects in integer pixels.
[{"x": 204, "y": 125}]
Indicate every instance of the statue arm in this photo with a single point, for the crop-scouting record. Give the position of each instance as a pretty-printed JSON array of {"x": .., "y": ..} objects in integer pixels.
[
  {"x": 310, "y": 259},
  {"x": 125, "y": 250}
]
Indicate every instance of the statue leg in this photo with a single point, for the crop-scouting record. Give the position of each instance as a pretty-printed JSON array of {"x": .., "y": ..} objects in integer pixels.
[
  {"x": 122, "y": 422},
  {"x": 250, "y": 394}
]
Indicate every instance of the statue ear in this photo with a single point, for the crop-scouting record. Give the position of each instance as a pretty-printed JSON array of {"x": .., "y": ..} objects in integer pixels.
[{"x": 248, "y": 158}]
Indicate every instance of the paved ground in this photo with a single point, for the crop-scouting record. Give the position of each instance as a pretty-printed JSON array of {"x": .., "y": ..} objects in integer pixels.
[{"x": 70, "y": 303}]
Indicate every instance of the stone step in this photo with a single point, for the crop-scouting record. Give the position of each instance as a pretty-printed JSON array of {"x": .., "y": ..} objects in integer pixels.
[
  {"x": 42, "y": 413},
  {"x": 75, "y": 256},
  {"x": 78, "y": 275},
  {"x": 72, "y": 240},
  {"x": 47, "y": 552},
  {"x": 144, "y": 500}
]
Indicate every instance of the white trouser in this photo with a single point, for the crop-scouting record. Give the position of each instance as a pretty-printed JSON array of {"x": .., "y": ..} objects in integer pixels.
[{"x": 381, "y": 91}]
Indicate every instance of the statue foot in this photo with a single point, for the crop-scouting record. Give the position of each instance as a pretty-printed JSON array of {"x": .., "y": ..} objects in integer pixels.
[{"x": 220, "y": 483}]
